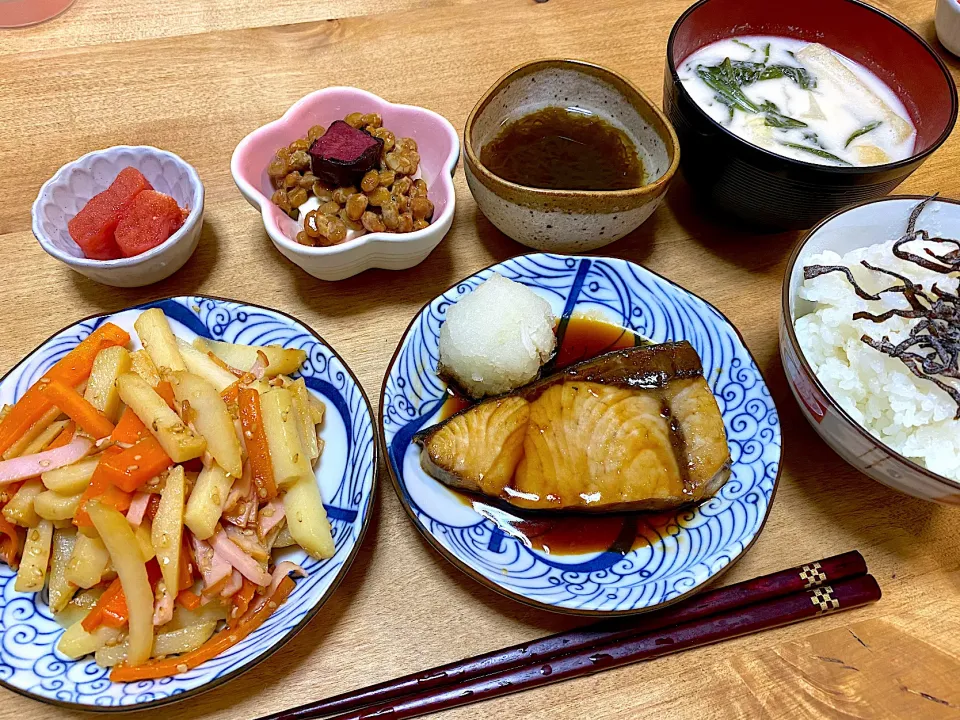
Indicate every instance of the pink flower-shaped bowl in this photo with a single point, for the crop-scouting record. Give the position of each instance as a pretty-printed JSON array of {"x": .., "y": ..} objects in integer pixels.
[{"x": 439, "y": 149}]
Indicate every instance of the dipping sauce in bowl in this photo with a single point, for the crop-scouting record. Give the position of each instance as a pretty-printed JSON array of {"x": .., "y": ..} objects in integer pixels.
[
  {"x": 567, "y": 156},
  {"x": 564, "y": 149}
]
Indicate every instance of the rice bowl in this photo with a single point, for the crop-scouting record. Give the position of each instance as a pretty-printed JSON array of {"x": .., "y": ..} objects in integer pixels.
[
  {"x": 847, "y": 375},
  {"x": 911, "y": 415}
]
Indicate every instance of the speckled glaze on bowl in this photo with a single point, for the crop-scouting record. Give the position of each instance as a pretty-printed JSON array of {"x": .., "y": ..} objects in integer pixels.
[
  {"x": 868, "y": 223},
  {"x": 569, "y": 220},
  {"x": 439, "y": 149},
  {"x": 63, "y": 195}
]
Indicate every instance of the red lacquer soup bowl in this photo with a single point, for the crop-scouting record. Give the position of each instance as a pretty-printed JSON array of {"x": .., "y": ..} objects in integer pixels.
[{"x": 770, "y": 191}]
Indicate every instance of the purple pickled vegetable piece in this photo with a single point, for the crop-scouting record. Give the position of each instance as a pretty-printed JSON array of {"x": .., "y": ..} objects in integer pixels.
[{"x": 342, "y": 155}]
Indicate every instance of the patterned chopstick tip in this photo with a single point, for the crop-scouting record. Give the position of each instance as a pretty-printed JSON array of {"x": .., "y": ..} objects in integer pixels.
[
  {"x": 823, "y": 599},
  {"x": 812, "y": 575}
]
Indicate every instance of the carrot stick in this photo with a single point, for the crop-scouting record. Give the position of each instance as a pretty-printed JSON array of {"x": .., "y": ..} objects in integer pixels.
[
  {"x": 165, "y": 390},
  {"x": 113, "y": 602},
  {"x": 241, "y": 602},
  {"x": 129, "y": 428},
  {"x": 132, "y": 468},
  {"x": 101, "y": 487},
  {"x": 74, "y": 367},
  {"x": 111, "y": 608},
  {"x": 188, "y": 599},
  {"x": 185, "y": 581},
  {"x": 222, "y": 641},
  {"x": 116, "y": 498},
  {"x": 73, "y": 404},
  {"x": 231, "y": 394},
  {"x": 258, "y": 451},
  {"x": 65, "y": 437},
  {"x": 10, "y": 544}
]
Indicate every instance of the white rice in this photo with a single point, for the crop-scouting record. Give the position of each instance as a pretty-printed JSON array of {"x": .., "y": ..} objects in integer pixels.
[
  {"x": 911, "y": 415},
  {"x": 496, "y": 338}
]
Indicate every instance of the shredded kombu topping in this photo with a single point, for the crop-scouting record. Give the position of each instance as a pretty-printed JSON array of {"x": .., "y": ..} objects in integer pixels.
[{"x": 932, "y": 350}]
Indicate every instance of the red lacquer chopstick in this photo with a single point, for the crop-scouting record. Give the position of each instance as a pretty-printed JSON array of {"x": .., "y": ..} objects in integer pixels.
[
  {"x": 780, "y": 611},
  {"x": 706, "y": 604}
]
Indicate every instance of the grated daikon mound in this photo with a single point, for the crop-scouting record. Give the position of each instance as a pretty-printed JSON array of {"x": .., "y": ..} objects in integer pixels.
[{"x": 496, "y": 338}]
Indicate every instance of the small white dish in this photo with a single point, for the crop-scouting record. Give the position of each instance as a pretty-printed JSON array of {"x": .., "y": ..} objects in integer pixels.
[
  {"x": 948, "y": 24},
  {"x": 439, "y": 149},
  {"x": 63, "y": 196}
]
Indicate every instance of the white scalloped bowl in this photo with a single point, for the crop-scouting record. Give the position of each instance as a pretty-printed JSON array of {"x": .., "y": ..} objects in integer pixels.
[
  {"x": 63, "y": 195},
  {"x": 439, "y": 149}
]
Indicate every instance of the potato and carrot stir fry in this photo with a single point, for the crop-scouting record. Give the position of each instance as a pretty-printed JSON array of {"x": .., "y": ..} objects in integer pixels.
[{"x": 147, "y": 491}]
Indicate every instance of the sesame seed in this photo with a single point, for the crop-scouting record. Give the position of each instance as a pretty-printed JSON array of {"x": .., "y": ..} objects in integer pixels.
[{"x": 182, "y": 667}]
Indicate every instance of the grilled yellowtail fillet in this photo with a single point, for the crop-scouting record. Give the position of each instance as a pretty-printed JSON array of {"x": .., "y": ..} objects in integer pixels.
[{"x": 634, "y": 429}]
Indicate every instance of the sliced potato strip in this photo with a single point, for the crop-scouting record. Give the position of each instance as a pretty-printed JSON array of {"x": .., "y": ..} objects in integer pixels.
[
  {"x": 101, "y": 391},
  {"x": 72, "y": 478},
  {"x": 206, "y": 502},
  {"x": 125, "y": 554},
  {"x": 290, "y": 460},
  {"x": 154, "y": 332},
  {"x": 36, "y": 556},
  {"x": 174, "y": 435},
  {"x": 209, "y": 415},
  {"x": 46, "y": 437},
  {"x": 282, "y": 361},
  {"x": 308, "y": 429},
  {"x": 77, "y": 642},
  {"x": 168, "y": 527},
  {"x": 60, "y": 589},
  {"x": 20, "y": 510},
  {"x": 87, "y": 562},
  {"x": 201, "y": 364},
  {"x": 51, "y": 505},
  {"x": 307, "y": 519}
]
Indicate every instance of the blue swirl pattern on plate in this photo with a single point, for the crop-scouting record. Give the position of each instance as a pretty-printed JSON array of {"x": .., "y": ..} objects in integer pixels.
[
  {"x": 29, "y": 662},
  {"x": 669, "y": 560}
]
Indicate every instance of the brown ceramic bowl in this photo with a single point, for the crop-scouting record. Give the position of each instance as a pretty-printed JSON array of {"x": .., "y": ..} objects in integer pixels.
[{"x": 569, "y": 220}]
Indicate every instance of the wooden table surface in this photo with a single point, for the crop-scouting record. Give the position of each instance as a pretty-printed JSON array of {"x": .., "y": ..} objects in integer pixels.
[{"x": 195, "y": 76}]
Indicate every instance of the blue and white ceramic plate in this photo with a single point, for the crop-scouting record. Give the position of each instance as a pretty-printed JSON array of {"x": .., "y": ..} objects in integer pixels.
[
  {"x": 29, "y": 662},
  {"x": 671, "y": 557}
]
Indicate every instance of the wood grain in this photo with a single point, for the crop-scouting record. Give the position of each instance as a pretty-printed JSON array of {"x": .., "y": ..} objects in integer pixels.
[{"x": 195, "y": 76}]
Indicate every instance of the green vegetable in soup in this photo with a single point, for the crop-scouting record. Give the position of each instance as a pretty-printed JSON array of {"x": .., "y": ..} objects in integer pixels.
[
  {"x": 774, "y": 118},
  {"x": 815, "y": 151},
  {"x": 869, "y": 127}
]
